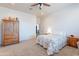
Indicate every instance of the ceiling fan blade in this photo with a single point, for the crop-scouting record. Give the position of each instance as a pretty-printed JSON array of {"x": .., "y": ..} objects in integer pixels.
[
  {"x": 35, "y": 4},
  {"x": 46, "y": 4}
]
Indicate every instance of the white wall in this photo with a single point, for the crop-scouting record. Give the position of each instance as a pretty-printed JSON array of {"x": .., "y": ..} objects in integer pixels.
[
  {"x": 27, "y": 22},
  {"x": 65, "y": 21}
]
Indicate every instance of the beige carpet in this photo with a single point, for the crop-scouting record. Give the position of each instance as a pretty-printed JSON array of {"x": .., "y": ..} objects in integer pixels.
[{"x": 30, "y": 48}]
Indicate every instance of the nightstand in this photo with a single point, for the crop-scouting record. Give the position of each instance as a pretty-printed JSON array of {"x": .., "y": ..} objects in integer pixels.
[{"x": 72, "y": 41}]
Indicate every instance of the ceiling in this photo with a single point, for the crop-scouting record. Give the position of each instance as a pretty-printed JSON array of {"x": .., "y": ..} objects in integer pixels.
[{"x": 26, "y": 7}]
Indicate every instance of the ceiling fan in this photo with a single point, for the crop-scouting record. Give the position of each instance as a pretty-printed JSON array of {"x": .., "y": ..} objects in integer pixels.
[{"x": 40, "y": 5}]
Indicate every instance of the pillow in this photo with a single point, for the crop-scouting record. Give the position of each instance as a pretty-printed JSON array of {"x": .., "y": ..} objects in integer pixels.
[{"x": 61, "y": 33}]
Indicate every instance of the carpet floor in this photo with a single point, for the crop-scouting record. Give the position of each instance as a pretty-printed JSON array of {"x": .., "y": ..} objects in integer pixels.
[{"x": 30, "y": 48}]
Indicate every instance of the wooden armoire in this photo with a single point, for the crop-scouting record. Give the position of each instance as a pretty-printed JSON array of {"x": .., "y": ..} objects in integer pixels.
[{"x": 10, "y": 31}]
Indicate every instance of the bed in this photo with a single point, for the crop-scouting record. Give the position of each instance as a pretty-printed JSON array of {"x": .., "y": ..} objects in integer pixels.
[{"x": 53, "y": 42}]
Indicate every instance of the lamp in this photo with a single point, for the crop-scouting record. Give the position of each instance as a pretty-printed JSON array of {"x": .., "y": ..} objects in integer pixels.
[{"x": 49, "y": 30}]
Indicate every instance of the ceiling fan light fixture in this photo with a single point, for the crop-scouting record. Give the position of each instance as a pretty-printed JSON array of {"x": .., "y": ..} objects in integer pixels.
[
  {"x": 40, "y": 5},
  {"x": 42, "y": 13}
]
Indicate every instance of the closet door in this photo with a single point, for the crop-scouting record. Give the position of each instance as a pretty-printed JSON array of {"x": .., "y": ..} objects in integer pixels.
[
  {"x": 16, "y": 31},
  {"x": 7, "y": 32}
]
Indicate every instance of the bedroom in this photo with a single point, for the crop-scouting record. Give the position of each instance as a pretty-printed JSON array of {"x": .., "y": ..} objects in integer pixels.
[{"x": 59, "y": 20}]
